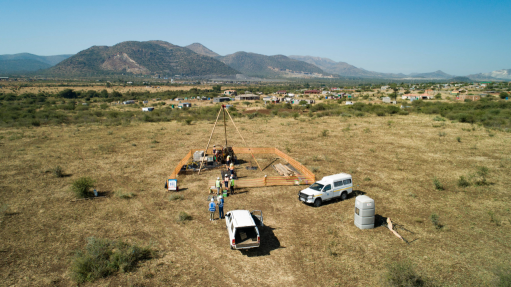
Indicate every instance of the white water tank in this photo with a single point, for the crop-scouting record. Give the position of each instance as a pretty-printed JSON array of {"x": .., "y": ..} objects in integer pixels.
[{"x": 364, "y": 212}]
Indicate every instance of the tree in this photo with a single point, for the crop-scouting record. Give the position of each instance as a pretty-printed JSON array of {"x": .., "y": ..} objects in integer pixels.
[
  {"x": 217, "y": 88},
  {"x": 68, "y": 94},
  {"x": 503, "y": 95}
]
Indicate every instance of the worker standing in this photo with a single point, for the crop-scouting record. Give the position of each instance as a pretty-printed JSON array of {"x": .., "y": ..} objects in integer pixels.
[
  {"x": 218, "y": 185},
  {"x": 232, "y": 185},
  {"x": 221, "y": 207},
  {"x": 231, "y": 169},
  {"x": 226, "y": 181},
  {"x": 212, "y": 209},
  {"x": 227, "y": 160}
]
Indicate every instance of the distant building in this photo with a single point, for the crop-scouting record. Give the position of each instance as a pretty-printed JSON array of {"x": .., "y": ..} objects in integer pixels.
[
  {"x": 4, "y": 78},
  {"x": 148, "y": 109},
  {"x": 384, "y": 88},
  {"x": 128, "y": 102},
  {"x": 281, "y": 92},
  {"x": 221, "y": 99},
  {"x": 417, "y": 97},
  {"x": 184, "y": 105},
  {"x": 308, "y": 92},
  {"x": 230, "y": 93},
  {"x": 247, "y": 97},
  {"x": 468, "y": 97}
]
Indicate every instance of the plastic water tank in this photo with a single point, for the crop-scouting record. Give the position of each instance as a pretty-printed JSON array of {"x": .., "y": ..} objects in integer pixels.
[{"x": 364, "y": 212}]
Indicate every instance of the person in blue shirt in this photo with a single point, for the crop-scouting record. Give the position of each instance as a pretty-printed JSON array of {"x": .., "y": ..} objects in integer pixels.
[
  {"x": 212, "y": 209},
  {"x": 221, "y": 207}
]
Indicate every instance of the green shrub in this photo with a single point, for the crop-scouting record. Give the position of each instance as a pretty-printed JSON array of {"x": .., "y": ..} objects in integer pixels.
[
  {"x": 482, "y": 172},
  {"x": 458, "y": 139},
  {"x": 403, "y": 274},
  {"x": 183, "y": 216},
  {"x": 324, "y": 133},
  {"x": 103, "y": 257},
  {"x": 188, "y": 121},
  {"x": 439, "y": 119},
  {"x": 504, "y": 277},
  {"x": 82, "y": 187},
  {"x": 438, "y": 184},
  {"x": 463, "y": 182},
  {"x": 176, "y": 197},
  {"x": 435, "y": 220}
]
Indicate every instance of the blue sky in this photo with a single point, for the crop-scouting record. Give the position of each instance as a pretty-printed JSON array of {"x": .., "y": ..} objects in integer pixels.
[{"x": 457, "y": 37}]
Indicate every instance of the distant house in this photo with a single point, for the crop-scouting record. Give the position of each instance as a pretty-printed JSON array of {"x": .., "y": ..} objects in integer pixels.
[
  {"x": 146, "y": 102},
  {"x": 297, "y": 101},
  {"x": 335, "y": 89},
  {"x": 247, "y": 97},
  {"x": 184, "y": 105},
  {"x": 281, "y": 92},
  {"x": 4, "y": 78},
  {"x": 128, "y": 102},
  {"x": 384, "y": 88},
  {"x": 148, "y": 109},
  {"x": 178, "y": 99},
  {"x": 230, "y": 93},
  {"x": 455, "y": 92},
  {"x": 417, "y": 97},
  {"x": 468, "y": 97},
  {"x": 308, "y": 92},
  {"x": 221, "y": 99},
  {"x": 349, "y": 103},
  {"x": 387, "y": 100}
]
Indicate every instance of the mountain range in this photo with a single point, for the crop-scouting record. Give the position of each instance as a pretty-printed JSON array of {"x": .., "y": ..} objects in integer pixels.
[
  {"x": 25, "y": 62},
  {"x": 196, "y": 60}
]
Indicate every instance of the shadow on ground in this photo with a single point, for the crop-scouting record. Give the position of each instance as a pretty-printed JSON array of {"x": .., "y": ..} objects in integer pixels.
[{"x": 269, "y": 242}]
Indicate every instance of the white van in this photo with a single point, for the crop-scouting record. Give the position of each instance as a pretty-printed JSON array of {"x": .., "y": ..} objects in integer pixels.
[
  {"x": 242, "y": 228},
  {"x": 336, "y": 186}
]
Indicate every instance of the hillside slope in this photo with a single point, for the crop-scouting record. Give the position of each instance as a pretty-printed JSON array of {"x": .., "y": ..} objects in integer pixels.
[
  {"x": 202, "y": 50},
  {"x": 21, "y": 66},
  {"x": 342, "y": 68},
  {"x": 258, "y": 65},
  {"x": 151, "y": 57}
]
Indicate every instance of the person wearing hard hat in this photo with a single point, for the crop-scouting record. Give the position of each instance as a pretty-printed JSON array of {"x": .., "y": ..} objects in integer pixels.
[
  {"x": 220, "y": 206},
  {"x": 232, "y": 185},
  {"x": 212, "y": 209},
  {"x": 227, "y": 160}
]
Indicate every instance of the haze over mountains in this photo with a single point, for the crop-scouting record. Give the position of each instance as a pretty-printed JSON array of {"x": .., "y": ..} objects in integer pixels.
[{"x": 196, "y": 60}]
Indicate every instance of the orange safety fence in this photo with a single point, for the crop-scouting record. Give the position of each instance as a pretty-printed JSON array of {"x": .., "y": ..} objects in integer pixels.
[
  {"x": 180, "y": 165},
  {"x": 268, "y": 181},
  {"x": 306, "y": 176},
  {"x": 299, "y": 167}
]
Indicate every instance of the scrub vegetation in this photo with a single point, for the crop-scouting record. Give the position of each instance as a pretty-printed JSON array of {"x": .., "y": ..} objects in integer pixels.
[{"x": 458, "y": 235}]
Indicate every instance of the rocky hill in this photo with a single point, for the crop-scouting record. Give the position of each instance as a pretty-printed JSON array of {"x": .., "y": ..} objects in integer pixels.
[
  {"x": 202, "y": 50},
  {"x": 258, "y": 65},
  {"x": 148, "y": 58},
  {"x": 504, "y": 74}
]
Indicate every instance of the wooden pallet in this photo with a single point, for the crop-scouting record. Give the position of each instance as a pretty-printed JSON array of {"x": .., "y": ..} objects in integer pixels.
[{"x": 283, "y": 170}]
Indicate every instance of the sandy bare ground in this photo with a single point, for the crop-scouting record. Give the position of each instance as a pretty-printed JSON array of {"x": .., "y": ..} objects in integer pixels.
[{"x": 392, "y": 159}]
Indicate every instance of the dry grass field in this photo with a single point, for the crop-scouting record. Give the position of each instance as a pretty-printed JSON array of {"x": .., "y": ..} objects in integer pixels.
[
  {"x": 393, "y": 159},
  {"x": 43, "y": 88}
]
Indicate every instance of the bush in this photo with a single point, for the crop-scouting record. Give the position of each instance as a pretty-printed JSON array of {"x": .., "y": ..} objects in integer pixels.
[
  {"x": 435, "y": 220},
  {"x": 324, "y": 133},
  {"x": 176, "y": 197},
  {"x": 504, "y": 277},
  {"x": 82, "y": 187},
  {"x": 503, "y": 95},
  {"x": 482, "y": 172},
  {"x": 58, "y": 172},
  {"x": 438, "y": 184},
  {"x": 463, "y": 182},
  {"x": 103, "y": 257},
  {"x": 183, "y": 216},
  {"x": 403, "y": 274}
]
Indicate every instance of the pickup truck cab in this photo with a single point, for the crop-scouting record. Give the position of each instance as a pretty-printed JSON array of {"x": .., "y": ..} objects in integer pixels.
[
  {"x": 242, "y": 228},
  {"x": 336, "y": 186}
]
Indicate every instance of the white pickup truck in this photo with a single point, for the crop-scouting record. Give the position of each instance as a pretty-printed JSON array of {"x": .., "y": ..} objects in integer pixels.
[
  {"x": 336, "y": 186},
  {"x": 242, "y": 228}
]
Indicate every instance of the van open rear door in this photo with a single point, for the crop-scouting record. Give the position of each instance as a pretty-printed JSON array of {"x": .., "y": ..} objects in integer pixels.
[{"x": 257, "y": 215}]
